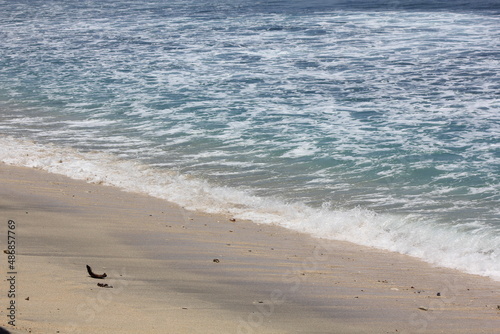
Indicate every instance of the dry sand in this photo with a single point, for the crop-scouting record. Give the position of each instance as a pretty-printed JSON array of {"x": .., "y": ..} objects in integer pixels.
[{"x": 175, "y": 271}]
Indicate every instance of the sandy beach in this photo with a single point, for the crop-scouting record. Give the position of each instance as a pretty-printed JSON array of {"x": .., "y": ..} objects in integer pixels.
[{"x": 174, "y": 271}]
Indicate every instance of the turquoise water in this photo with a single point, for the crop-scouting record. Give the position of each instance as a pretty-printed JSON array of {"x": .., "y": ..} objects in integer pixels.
[{"x": 369, "y": 122}]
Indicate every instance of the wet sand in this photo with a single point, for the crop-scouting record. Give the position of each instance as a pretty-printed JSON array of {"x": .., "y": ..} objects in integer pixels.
[{"x": 176, "y": 271}]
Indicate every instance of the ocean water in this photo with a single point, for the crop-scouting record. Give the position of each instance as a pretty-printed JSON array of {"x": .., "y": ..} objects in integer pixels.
[{"x": 376, "y": 122}]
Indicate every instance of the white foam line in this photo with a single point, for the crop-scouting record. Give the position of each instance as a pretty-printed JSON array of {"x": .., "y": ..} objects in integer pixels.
[{"x": 448, "y": 246}]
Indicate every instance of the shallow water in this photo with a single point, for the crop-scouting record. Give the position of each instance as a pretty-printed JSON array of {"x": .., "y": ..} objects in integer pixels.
[{"x": 370, "y": 122}]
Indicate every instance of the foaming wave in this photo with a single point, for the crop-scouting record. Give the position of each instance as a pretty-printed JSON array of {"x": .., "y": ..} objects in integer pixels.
[{"x": 472, "y": 249}]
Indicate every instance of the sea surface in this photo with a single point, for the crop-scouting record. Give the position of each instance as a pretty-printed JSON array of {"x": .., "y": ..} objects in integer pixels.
[{"x": 376, "y": 122}]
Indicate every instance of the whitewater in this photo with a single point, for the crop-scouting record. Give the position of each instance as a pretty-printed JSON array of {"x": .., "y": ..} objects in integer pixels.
[{"x": 376, "y": 125}]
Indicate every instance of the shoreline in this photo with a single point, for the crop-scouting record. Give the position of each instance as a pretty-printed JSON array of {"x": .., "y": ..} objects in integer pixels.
[
  {"x": 401, "y": 233},
  {"x": 177, "y": 271}
]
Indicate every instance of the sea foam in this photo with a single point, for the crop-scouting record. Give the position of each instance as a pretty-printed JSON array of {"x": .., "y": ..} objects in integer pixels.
[{"x": 471, "y": 249}]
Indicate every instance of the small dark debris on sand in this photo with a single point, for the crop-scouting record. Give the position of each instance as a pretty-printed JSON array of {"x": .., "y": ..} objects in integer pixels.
[{"x": 91, "y": 273}]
